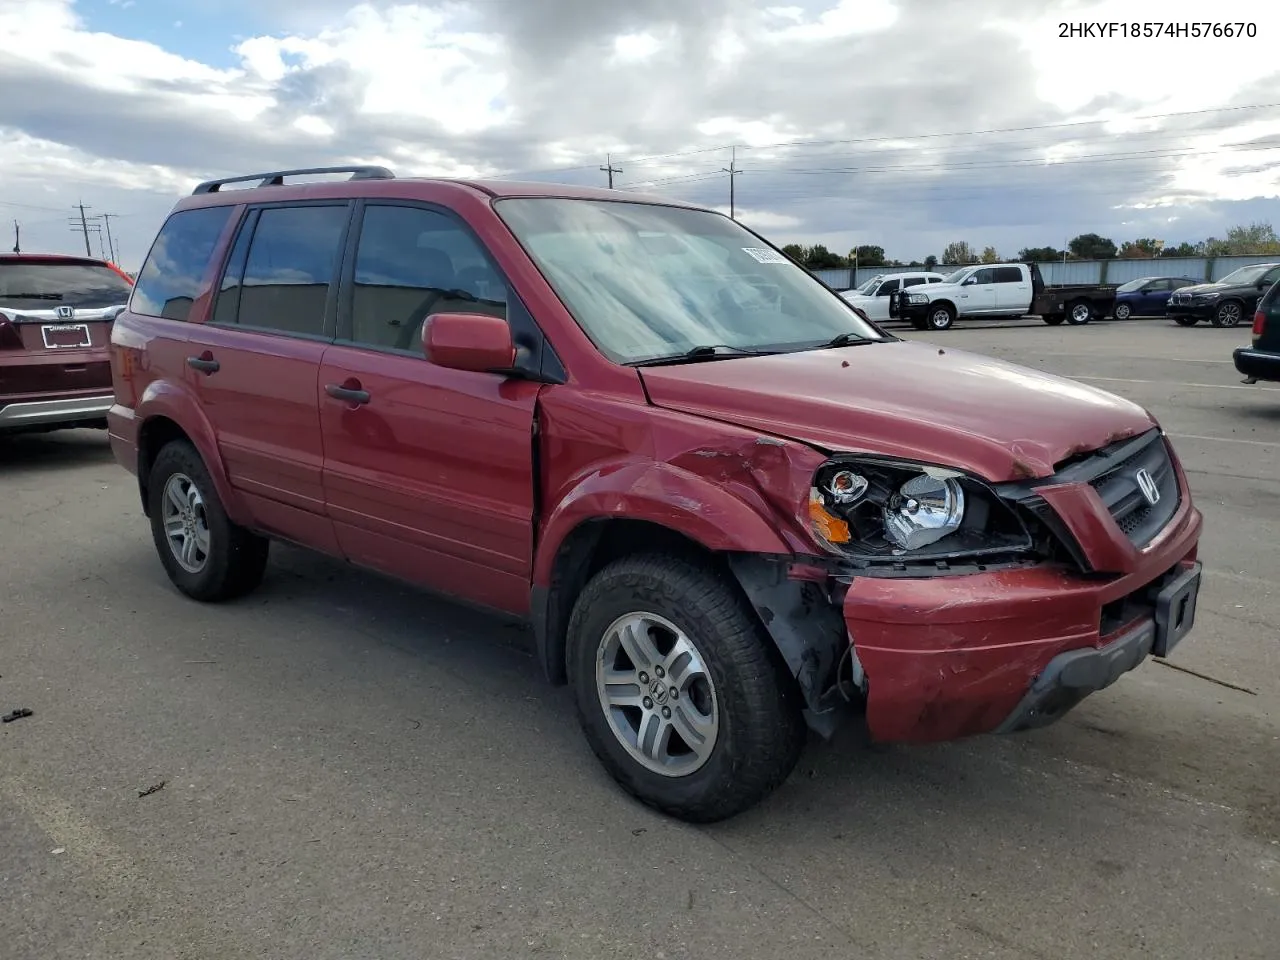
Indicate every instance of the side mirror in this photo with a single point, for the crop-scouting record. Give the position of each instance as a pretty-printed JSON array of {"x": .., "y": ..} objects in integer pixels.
[
  {"x": 970, "y": 280},
  {"x": 468, "y": 341}
]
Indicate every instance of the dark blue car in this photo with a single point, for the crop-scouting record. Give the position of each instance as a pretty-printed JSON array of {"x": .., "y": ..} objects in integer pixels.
[{"x": 1146, "y": 296}]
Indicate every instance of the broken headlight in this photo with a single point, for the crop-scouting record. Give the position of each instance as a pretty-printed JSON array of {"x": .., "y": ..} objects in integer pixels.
[{"x": 892, "y": 510}]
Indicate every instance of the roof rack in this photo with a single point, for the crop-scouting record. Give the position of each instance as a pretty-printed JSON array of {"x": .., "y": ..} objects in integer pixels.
[{"x": 276, "y": 178}]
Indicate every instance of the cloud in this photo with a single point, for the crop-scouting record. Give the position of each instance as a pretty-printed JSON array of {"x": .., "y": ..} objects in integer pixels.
[{"x": 904, "y": 123}]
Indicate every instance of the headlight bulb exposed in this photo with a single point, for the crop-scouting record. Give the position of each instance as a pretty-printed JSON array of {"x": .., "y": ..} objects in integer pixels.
[
  {"x": 847, "y": 487},
  {"x": 923, "y": 511}
]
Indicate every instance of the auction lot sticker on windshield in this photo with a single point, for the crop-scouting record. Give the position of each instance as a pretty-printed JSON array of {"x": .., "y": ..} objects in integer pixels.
[{"x": 764, "y": 255}]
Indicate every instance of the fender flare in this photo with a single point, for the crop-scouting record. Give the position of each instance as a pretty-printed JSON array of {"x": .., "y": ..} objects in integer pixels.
[
  {"x": 173, "y": 402},
  {"x": 659, "y": 493}
]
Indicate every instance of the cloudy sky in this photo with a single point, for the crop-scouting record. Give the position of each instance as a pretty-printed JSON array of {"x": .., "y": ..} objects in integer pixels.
[{"x": 905, "y": 123}]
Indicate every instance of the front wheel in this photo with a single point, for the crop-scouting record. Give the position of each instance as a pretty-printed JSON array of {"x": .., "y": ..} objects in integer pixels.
[
  {"x": 941, "y": 317},
  {"x": 1079, "y": 313},
  {"x": 677, "y": 689},
  {"x": 1184, "y": 321},
  {"x": 206, "y": 556},
  {"x": 1122, "y": 311},
  {"x": 1227, "y": 315}
]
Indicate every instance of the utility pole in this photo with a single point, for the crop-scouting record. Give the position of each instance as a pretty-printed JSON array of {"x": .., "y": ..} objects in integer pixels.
[
  {"x": 84, "y": 226},
  {"x": 111, "y": 245},
  {"x": 732, "y": 170},
  {"x": 17, "y": 237},
  {"x": 610, "y": 169}
]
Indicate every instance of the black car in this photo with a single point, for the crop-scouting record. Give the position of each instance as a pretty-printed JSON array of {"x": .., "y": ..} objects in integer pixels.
[
  {"x": 1226, "y": 302},
  {"x": 1262, "y": 360}
]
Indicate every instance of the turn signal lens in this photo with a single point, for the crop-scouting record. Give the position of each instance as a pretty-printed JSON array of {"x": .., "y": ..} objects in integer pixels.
[{"x": 830, "y": 528}]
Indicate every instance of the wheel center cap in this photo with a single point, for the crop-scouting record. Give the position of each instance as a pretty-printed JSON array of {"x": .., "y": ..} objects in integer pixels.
[{"x": 658, "y": 690}]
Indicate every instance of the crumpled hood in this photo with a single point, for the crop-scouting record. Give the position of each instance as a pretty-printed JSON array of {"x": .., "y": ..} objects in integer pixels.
[{"x": 906, "y": 399}]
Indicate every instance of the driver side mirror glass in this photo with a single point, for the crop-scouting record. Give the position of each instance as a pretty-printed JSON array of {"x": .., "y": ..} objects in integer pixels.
[{"x": 468, "y": 341}]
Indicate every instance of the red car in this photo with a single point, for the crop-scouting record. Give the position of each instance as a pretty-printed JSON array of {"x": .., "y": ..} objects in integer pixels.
[
  {"x": 55, "y": 332},
  {"x": 730, "y": 507}
]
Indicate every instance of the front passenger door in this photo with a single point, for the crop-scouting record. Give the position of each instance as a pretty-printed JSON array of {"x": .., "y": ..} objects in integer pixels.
[
  {"x": 428, "y": 472},
  {"x": 979, "y": 293}
]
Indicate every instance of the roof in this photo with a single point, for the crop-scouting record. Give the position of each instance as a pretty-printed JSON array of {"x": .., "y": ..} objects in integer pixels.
[
  {"x": 49, "y": 258},
  {"x": 380, "y": 182}
]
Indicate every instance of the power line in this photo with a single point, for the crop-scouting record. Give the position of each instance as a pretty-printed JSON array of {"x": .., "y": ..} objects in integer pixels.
[
  {"x": 1068, "y": 124},
  {"x": 963, "y": 166}
]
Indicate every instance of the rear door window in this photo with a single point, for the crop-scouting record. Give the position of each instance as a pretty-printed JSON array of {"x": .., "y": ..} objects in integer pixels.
[
  {"x": 171, "y": 279},
  {"x": 1007, "y": 275},
  {"x": 912, "y": 282},
  {"x": 280, "y": 279}
]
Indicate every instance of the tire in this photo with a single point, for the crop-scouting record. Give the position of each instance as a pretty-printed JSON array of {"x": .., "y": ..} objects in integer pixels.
[
  {"x": 1053, "y": 319},
  {"x": 920, "y": 323},
  {"x": 1122, "y": 311},
  {"x": 1183, "y": 321},
  {"x": 1079, "y": 312},
  {"x": 1228, "y": 314},
  {"x": 941, "y": 316},
  {"x": 747, "y": 708},
  {"x": 231, "y": 561}
]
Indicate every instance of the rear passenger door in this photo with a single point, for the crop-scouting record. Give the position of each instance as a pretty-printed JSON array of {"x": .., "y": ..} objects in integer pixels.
[
  {"x": 428, "y": 472},
  {"x": 255, "y": 362},
  {"x": 1013, "y": 290}
]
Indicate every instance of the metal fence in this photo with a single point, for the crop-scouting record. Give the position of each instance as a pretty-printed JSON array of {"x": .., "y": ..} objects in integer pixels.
[{"x": 1080, "y": 271}]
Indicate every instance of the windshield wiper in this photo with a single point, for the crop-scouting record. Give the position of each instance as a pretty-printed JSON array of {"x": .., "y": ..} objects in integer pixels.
[
  {"x": 709, "y": 351},
  {"x": 846, "y": 339},
  {"x": 30, "y": 296}
]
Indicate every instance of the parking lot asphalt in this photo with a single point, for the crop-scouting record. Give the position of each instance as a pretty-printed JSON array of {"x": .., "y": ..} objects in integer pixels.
[{"x": 352, "y": 769}]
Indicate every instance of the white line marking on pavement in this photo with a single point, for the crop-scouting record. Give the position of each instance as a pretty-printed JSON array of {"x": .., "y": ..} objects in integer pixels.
[
  {"x": 1252, "y": 443},
  {"x": 1174, "y": 383}
]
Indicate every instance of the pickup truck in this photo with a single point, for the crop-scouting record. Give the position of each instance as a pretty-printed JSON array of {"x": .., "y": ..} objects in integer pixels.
[{"x": 1000, "y": 290}]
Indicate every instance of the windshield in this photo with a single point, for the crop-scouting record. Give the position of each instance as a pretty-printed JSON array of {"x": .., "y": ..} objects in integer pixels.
[
  {"x": 46, "y": 285},
  {"x": 647, "y": 281},
  {"x": 1247, "y": 274},
  {"x": 958, "y": 275},
  {"x": 867, "y": 287},
  {"x": 1133, "y": 285}
]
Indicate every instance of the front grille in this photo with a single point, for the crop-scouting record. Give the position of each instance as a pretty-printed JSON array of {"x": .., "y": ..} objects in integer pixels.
[
  {"x": 1180, "y": 298},
  {"x": 1122, "y": 491},
  {"x": 1113, "y": 472}
]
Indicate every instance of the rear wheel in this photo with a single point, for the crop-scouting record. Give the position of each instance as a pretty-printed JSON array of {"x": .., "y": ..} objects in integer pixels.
[
  {"x": 1227, "y": 315},
  {"x": 677, "y": 688},
  {"x": 1079, "y": 312},
  {"x": 1122, "y": 311},
  {"x": 207, "y": 557},
  {"x": 1053, "y": 319}
]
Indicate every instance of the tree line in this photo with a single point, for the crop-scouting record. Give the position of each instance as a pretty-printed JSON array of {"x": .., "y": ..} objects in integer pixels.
[{"x": 1251, "y": 239}]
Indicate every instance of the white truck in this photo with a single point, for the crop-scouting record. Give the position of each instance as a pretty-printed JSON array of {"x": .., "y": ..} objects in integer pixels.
[{"x": 999, "y": 290}]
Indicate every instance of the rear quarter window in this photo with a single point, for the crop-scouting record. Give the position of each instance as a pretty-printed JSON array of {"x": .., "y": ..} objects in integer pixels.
[{"x": 170, "y": 280}]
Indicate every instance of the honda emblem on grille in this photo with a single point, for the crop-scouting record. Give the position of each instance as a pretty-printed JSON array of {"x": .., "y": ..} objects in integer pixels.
[
  {"x": 1147, "y": 484},
  {"x": 66, "y": 313}
]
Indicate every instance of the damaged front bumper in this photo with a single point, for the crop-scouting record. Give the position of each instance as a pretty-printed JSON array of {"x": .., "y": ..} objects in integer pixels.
[{"x": 940, "y": 654}]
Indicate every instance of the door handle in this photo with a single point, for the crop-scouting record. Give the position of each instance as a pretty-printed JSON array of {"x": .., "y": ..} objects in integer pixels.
[
  {"x": 350, "y": 394},
  {"x": 205, "y": 364}
]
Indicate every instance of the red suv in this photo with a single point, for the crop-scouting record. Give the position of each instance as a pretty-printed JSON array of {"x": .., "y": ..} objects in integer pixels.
[
  {"x": 55, "y": 331},
  {"x": 730, "y": 507}
]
